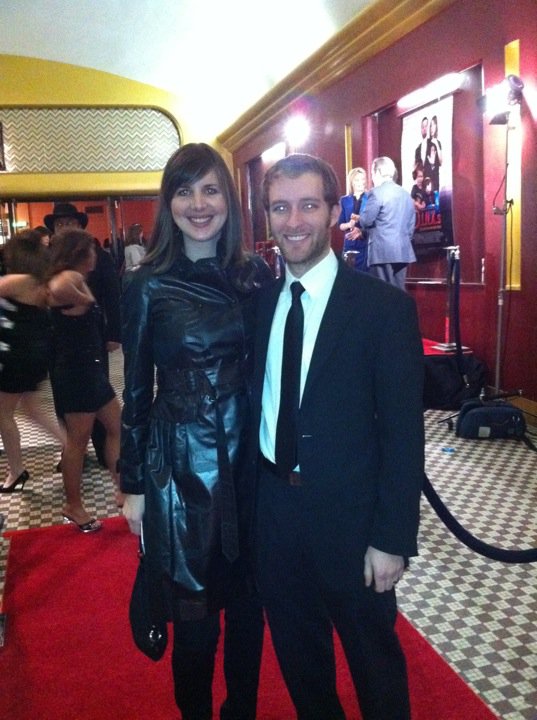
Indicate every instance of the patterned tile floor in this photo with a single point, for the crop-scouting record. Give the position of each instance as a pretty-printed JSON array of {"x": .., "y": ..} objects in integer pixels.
[{"x": 480, "y": 614}]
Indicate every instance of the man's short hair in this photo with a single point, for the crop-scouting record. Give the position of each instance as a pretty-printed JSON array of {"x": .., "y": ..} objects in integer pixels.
[
  {"x": 385, "y": 166},
  {"x": 298, "y": 164}
]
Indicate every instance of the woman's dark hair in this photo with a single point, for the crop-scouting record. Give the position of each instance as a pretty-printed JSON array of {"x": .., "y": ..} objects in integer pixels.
[
  {"x": 297, "y": 164},
  {"x": 25, "y": 253},
  {"x": 186, "y": 166},
  {"x": 70, "y": 249}
]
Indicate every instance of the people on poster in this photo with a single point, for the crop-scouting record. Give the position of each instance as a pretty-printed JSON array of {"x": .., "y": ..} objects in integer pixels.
[
  {"x": 431, "y": 169},
  {"x": 433, "y": 138},
  {"x": 421, "y": 151},
  {"x": 418, "y": 191}
]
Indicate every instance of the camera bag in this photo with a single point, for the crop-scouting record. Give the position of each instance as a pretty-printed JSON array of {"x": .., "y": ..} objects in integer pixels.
[{"x": 490, "y": 420}]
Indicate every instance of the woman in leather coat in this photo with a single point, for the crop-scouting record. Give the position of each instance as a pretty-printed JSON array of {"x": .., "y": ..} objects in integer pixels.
[{"x": 188, "y": 312}]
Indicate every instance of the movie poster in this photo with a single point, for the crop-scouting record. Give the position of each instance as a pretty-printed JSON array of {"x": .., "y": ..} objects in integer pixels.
[{"x": 426, "y": 163}]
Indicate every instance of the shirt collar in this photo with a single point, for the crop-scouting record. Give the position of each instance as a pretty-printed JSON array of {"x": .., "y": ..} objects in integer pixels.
[{"x": 321, "y": 274}]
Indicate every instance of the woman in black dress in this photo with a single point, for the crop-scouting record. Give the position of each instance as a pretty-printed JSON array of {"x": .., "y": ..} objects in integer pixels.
[
  {"x": 24, "y": 348},
  {"x": 80, "y": 385}
]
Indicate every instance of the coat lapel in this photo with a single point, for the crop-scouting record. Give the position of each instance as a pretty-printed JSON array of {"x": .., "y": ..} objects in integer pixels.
[
  {"x": 336, "y": 316},
  {"x": 267, "y": 301}
]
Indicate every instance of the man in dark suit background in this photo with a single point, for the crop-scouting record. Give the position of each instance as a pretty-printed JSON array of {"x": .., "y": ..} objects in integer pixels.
[{"x": 332, "y": 535}]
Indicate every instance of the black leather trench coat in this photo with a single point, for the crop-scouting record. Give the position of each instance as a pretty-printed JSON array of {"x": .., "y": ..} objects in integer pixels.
[{"x": 183, "y": 428}]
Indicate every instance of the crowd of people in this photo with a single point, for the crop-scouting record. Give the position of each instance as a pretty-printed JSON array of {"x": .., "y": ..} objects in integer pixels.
[{"x": 230, "y": 457}]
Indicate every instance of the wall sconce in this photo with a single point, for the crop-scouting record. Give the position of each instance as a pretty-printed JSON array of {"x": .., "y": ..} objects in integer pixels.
[{"x": 297, "y": 131}]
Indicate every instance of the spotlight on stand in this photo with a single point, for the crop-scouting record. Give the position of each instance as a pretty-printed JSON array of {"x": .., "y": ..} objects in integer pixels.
[
  {"x": 499, "y": 103},
  {"x": 499, "y": 100}
]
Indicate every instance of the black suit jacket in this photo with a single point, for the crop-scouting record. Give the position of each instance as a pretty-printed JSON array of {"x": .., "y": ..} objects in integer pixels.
[
  {"x": 361, "y": 439},
  {"x": 104, "y": 284}
]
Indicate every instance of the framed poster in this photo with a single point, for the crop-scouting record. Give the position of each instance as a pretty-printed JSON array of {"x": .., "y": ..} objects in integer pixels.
[{"x": 426, "y": 165}]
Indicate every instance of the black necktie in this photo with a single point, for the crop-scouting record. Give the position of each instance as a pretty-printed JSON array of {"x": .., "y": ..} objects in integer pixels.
[{"x": 287, "y": 426}]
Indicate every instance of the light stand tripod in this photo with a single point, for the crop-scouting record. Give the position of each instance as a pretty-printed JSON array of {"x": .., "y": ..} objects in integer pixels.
[
  {"x": 504, "y": 211},
  {"x": 513, "y": 98}
]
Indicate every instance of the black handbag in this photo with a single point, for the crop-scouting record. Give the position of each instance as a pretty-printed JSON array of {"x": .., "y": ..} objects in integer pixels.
[{"x": 147, "y": 615}]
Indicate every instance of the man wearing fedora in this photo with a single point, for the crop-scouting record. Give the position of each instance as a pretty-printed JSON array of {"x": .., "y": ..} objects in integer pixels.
[{"x": 104, "y": 284}]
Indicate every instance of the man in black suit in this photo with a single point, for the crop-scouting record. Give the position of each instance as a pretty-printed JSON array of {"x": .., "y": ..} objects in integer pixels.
[
  {"x": 104, "y": 284},
  {"x": 333, "y": 534}
]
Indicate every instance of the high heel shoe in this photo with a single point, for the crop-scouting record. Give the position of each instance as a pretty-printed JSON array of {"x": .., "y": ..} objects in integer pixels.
[
  {"x": 91, "y": 526},
  {"x": 23, "y": 477},
  {"x": 58, "y": 467}
]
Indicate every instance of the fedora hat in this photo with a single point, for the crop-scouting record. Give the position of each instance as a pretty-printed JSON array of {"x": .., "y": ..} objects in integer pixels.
[{"x": 65, "y": 210}]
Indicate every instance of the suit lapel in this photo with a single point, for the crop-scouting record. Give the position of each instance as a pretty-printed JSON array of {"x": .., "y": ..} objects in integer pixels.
[
  {"x": 336, "y": 316},
  {"x": 267, "y": 304}
]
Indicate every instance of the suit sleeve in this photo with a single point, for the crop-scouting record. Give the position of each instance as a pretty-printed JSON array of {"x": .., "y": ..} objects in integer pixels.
[
  {"x": 139, "y": 382},
  {"x": 399, "y": 393},
  {"x": 369, "y": 210}
]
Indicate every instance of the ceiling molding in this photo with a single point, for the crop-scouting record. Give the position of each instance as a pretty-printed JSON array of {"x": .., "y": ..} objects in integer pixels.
[{"x": 374, "y": 29}]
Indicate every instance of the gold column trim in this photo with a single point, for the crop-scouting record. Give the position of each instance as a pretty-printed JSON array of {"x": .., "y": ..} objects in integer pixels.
[
  {"x": 348, "y": 149},
  {"x": 514, "y": 178}
]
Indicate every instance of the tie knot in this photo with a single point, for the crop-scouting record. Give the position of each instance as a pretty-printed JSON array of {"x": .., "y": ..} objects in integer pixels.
[{"x": 296, "y": 290}]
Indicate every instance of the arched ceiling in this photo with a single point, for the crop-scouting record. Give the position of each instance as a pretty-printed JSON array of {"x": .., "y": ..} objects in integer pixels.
[{"x": 218, "y": 58}]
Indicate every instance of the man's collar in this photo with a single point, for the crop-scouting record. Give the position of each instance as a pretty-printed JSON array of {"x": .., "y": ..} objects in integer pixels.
[{"x": 316, "y": 277}]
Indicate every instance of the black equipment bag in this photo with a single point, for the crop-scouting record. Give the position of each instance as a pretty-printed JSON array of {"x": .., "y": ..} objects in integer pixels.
[
  {"x": 490, "y": 420},
  {"x": 450, "y": 381}
]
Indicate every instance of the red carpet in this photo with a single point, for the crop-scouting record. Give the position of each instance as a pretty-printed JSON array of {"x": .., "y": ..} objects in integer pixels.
[{"x": 69, "y": 654}]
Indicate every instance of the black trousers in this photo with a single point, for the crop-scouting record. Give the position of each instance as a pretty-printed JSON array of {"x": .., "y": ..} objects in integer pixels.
[
  {"x": 303, "y": 612},
  {"x": 193, "y": 658}
]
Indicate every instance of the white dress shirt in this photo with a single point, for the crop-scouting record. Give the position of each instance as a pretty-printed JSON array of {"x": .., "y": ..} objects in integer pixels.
[{"x": 317, "y": 284}]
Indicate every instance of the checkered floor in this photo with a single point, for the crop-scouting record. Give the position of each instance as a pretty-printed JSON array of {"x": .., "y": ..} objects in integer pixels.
[{"x": 481, "y": 615}]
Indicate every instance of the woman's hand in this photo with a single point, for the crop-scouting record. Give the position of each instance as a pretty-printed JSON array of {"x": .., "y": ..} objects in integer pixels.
[
  {"x": 354, "y": 234},
  {"x": 133, "y": 511}
]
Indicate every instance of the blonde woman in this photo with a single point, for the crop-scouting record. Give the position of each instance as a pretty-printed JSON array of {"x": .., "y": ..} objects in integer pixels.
[{"x": 355, "y": 239}]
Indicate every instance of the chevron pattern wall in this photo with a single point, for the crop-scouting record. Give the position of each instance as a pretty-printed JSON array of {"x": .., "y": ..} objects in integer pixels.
[{"x": 67, "y": 139}]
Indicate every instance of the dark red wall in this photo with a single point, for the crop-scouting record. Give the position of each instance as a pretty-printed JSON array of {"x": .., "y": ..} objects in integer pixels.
[{"x": 469, "y": 33}]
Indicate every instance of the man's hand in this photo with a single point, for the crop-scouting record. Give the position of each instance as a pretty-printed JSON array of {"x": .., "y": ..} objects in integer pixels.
[
  {"x": 382, "y": 570},
  {"x": 133, "y": 511},
  {"x": 112, "y": 346}
]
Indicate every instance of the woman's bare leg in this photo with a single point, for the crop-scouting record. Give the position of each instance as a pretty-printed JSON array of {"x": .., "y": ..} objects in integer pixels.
[
  {"x": 10, "y": 435},
  {"x": 110, "y": 416},
  {"x": 32, "y": 406},
  {"x": 78, "y": 427}
]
